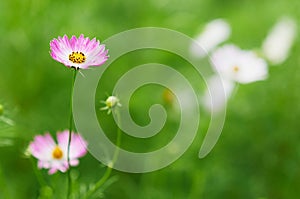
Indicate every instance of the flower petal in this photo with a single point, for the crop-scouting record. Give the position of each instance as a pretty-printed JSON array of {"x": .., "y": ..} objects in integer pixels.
[
  {"x": 77, "y": 145},
  {"x": 276, "y": 46},
  {"x": 214, "y": 33},
  {"x": 42, "y": 146}
]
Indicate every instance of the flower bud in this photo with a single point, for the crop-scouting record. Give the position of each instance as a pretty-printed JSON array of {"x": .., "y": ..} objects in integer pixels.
[
  {"x": 1, "y": 109},
  {"x": 111, "y": 101}
]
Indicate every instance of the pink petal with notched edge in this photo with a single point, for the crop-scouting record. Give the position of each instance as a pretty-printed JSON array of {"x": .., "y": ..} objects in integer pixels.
[
  {"x": 52, "y": 171},
  {"x": 63, "y": 139},
  {"x": 42, "y": 146},
  {"x": 74, "y": 162},
  {"x": 73, "y": 41},
  {"x": 77, "y": 146}
]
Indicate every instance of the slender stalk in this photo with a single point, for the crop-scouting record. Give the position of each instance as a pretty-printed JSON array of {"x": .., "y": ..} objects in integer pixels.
[
  {"x": 118, "y": 141},
  {"x": 38, "y": 174},
  {"x": 3, "y": 186},
  {"x": 109, "y": 168},
  {"x": 70, "y": 132}
]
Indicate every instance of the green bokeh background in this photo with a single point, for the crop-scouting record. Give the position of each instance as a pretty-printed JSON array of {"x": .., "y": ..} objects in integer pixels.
[{"x": 258, "y": 154}]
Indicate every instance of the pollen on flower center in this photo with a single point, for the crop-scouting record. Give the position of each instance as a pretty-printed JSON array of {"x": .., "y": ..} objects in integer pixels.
[
  {"x": 236, "y": 69},
  {"x": 57, "y": 153},
  {"x": 77, "y": 57}
]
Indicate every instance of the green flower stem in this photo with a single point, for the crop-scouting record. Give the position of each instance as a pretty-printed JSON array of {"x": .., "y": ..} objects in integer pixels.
[
  {"x": 70, "y": 132},
  {"x": 118, "y": 142},
  {"x": 3, "y": 186},
  {"x": 38, "y": 174},
  {"x": 109, "y": 168}
]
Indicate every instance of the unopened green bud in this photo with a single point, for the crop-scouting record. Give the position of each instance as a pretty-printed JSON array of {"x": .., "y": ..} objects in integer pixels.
[
  {"x": 110, "y": 103},
  {"x": 27, "y": 152},
  {"x": 1, "y": 109}
]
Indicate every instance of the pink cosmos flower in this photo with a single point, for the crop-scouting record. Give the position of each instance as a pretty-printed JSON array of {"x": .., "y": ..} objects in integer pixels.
[
  {"x": 78, "y": 52},
  {"x": 52, "y": 155}
]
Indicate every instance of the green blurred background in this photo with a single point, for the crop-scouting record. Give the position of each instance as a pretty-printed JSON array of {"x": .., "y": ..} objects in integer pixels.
[{"x": 258, "y": 153}]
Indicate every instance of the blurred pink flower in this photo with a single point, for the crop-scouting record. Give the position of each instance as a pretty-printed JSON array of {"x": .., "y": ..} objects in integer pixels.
[
  {"x": 238, "y": 65},
  {"x": 78, "y": 53},
  {"x": 52, "y": 155}
]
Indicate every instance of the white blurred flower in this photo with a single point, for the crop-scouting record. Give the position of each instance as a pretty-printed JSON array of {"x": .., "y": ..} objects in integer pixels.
[
  {"x": 280, "y": 39},
  {"x": 214, "y": 33},
  {"x": 217, "y": 93},
  {"x": 238, "y": 65}
]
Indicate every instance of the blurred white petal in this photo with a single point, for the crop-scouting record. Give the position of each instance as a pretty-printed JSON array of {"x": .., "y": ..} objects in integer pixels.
[
  {"x": 238, "y": 65},
  {"x": 276, "y": 46},
  {"x": 217, "y": 93},
  {"x": 214, "y": 33}
]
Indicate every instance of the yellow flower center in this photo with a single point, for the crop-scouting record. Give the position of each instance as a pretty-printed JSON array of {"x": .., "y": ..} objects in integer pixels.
[
  {"x": 57, "y": 153},
  {"x": 111, "y": 101},
  {"x": 236, "y": 69},
  {"x": 77, "y": 57},
  {"x": 109, "y": 104}
]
